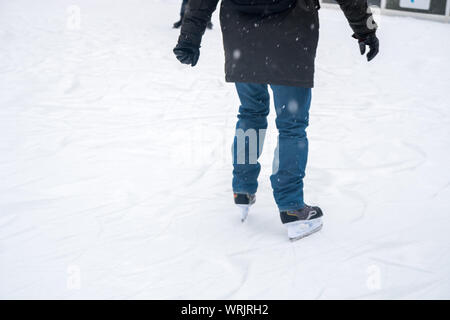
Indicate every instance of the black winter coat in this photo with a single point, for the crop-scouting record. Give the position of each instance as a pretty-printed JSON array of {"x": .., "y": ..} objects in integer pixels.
[{"x": 275, "y": 49}]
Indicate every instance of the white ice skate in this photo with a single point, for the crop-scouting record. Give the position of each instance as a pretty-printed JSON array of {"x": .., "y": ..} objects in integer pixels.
[
  {"x": 244, "y": 201},
  {"x": 302, "y": 222}
]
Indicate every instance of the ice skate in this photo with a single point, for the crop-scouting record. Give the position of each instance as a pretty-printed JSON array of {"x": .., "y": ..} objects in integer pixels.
[
  {"x": 302, "y": 222},
  {"x": 244, "y": 201}
]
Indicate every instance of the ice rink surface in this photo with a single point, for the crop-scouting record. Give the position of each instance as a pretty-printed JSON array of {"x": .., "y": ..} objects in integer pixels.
[{"x": 115, "y": 164}]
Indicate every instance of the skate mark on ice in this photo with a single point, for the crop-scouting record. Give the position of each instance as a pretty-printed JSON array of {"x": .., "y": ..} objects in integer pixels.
[
  {"x": 374, "y": 247},
  {"x": 396, "y": 292},
  {"x": 440, "y": 190},
  {"x": 19, "y": 233},
  {"x": 347, "y": 190},
  {"x": 401, "y": 265},
  {"x": 421, "y": 157}
]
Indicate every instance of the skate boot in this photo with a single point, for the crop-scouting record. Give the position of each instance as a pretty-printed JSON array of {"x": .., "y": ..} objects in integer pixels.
[
  {"x": 303, "y": 222},
  {"x": 244, "y": 202},
  {"x": 177, "y": 24}
]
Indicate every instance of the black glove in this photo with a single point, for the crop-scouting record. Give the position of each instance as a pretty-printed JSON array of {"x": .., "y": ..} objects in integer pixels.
[
  {"x": 371, "y": 41},
  {"x": 187, "y": 52}
]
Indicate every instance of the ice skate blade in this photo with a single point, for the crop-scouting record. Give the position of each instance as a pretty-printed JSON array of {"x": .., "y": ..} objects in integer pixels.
[
  {"x": 300, "y": 229},
  {"x": 244, "y": 211}
]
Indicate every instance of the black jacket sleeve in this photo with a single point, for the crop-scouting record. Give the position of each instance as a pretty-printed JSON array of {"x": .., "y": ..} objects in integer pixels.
[
  {"x": 359, "y": 16},
  {"x": 198, "y": 14}
]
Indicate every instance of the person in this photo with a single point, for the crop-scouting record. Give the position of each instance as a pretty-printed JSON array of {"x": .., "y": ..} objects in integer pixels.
[
  {"x": 177, "y": 24},
  {"x": 272, "y": 43}
]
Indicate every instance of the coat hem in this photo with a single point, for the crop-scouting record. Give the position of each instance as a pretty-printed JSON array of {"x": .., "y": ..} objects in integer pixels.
[{"x": 281, "y": 82}]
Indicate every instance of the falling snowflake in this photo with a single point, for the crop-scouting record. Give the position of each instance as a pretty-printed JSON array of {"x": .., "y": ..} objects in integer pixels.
[{"x": 236, "y": 54}]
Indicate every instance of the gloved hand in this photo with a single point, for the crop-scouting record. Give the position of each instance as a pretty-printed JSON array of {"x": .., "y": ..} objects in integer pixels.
[
  {"x": 371, "y": 41},
  {"x": 187, "y": 52}
]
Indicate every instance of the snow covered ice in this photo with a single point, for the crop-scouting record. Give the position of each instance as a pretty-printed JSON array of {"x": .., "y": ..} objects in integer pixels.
[{"x": 115, "y": 163}]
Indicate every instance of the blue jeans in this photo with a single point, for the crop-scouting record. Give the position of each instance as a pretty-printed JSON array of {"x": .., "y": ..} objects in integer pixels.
[{"x": 292, "y": 108}]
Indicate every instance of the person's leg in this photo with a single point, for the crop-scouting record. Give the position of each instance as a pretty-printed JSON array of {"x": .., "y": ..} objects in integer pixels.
[
  {"x": 292, "y": 107},
  {"x": 249, "y": 137}
]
